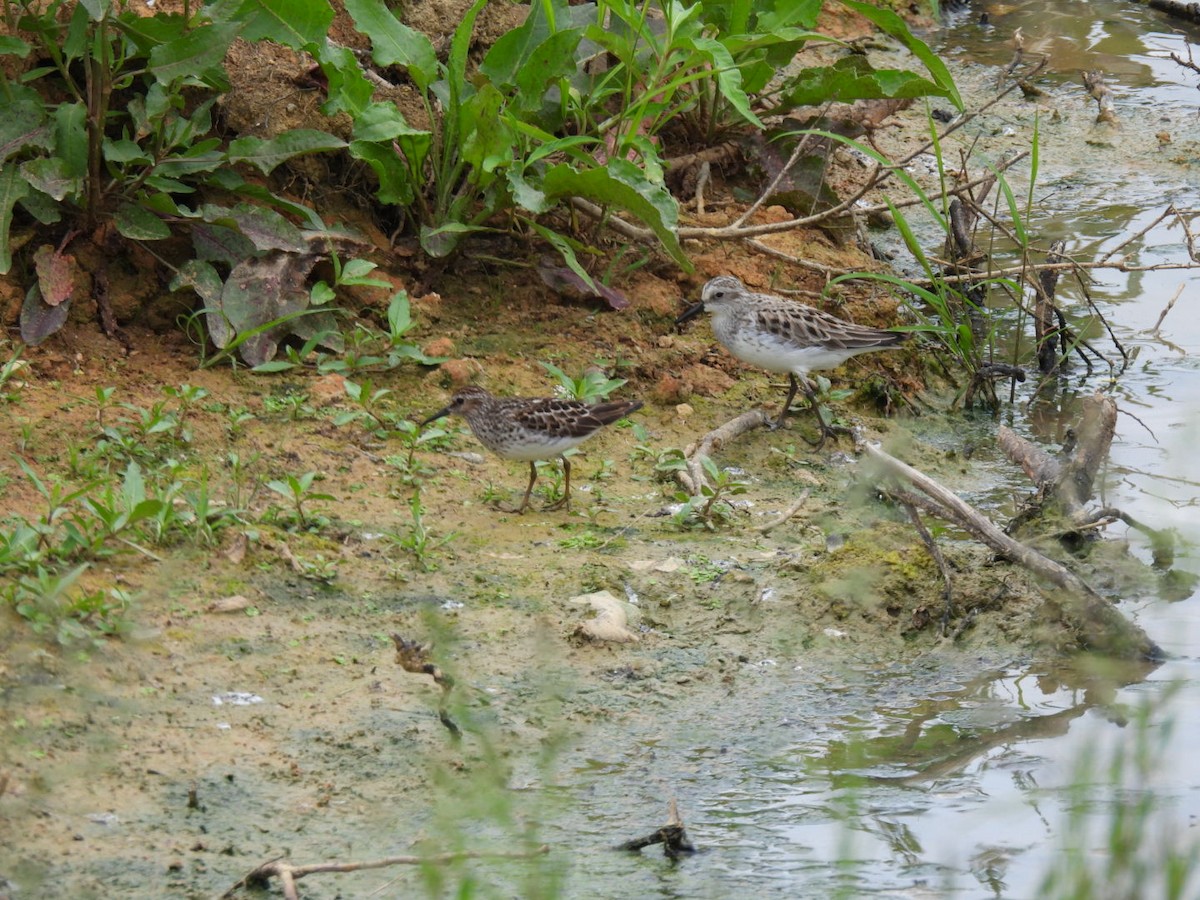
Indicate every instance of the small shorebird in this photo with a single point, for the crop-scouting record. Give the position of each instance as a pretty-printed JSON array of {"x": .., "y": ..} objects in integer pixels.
[
  {"x": 533, "y": 428},
  {"x": 779, "y": 335}
]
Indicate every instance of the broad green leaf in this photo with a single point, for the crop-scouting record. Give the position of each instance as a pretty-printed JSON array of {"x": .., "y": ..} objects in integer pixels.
[
  {"x": 49, "y": 175},
  {"x": 441, "y": 241},
  {"x": 533, "y": 55},
  {"x": 201, "y": 277},
  {"x": 193, "y": 54},
  {"x": 12, "y": 188},
  {"x": 802, "y": 13},
  {"x": 70, "y": 137},
  {"x": 852, "y": 78},
  {"x": 729, "y": 78},
  {"x": 488, "y": 141},
  {"x": 395, "y": 180},
  {"x": 383, "y": 121},
  {"x": 266, "y": 154},
  {"x": 622, "y": 185},
  {"x": 897, "y": 28},
  {"x": 22, "y": 121},
  {"x": 349, "y": 91},
  {"x": 394, "y": 43},
  {"x": 525, "y": 195},
  {"x": 97, "y": 9},
  {"x": 148, "y": 32},
  {"x": 140, "y": 224},
  {"x": 216, "y": 243},
  {"x": 265, "y": 228},
  {"x": 75, "y": 43},
  {"x": 124, "y": 151},
  {"x": 133, "y": 487},
  {"x": 551, "y": 60},
  {"x": 11, "y": 46},
  {"x": 42, "y": 208},
  {"x": 293, "y": 23},
  {"x": 39, "y": 320}
]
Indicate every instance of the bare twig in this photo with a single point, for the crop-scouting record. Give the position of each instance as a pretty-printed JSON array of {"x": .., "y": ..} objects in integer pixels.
[
  {"x": 1100, "y": 626},
  {"x": 413, "y": 656},
  {"x": 289, "y": 874},
  {"x": 786, "y": 514},
  {"x": 693, "y": 478},
  {"x": 1170, "y": 305},
  {"x": 905, "y": 500}
]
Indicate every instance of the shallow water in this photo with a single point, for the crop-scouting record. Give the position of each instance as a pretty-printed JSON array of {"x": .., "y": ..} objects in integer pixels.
[
  {"x": 945, "y": 777},
  {"x": 809, "y": 772}
]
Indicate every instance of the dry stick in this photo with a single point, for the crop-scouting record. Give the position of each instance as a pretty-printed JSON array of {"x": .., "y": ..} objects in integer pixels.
[
  {"x": 879, "y": 175},
  {"x": 1165, "y": 214},
  {"x": 906, "y": 499},
  {"x": 786, "y": 514},
  {"x": 1046, "y": 316},
  {"x": 1100, "y": 626},
  {"x": 693, "y": 479},
  {"x": 801, "y": 146},
  {"x": 288, "y": 874},
  {"x": 1162, "y": 315}
]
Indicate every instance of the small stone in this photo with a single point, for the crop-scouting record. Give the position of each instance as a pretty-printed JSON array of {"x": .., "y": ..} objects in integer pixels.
[
  {"x": 442, "y": 346},
  {"x": 456, "y": 373}
]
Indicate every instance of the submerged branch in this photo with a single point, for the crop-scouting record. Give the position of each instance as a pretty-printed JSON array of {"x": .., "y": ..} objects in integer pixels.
[{"x": 1099, "y": 625}]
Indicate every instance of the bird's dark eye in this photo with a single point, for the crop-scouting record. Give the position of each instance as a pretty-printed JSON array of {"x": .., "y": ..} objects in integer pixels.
[{"x": 719, "y": 295}]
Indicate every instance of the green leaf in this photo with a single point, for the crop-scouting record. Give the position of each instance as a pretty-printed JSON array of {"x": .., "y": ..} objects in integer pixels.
[
  {"x": 525, "y": 195},
  {"x": 488, "y": 140},
  {"x": 567, "y": 252},
  {"x": 266, "y": 154},
  {"x": 140, "y": 224},
  {"x": 395, "y": 182},
  {"x": 621, "y": 184},
  {"x": 21, "y": 124},
  {"x": 349, "y": 91},
  {"x": 220, "y": 244},
  {"x": 275, "y": 365},
  {"x": 12, "y": 188},
  {"x": 201, "y": 277},
  {"x": 70, "y": 138},
  {"x": 729, "y": 78},
  {"x": 293, "y": 23},
  {"x": 124, "y": 151},
  {"x": 802, "y": 13},
  {"x": 394, "y": 43},
  {"x": 441, "y": 241},
  {"x": 39, "y": 320},
  {"x": 194, "y": 54},
  {"x": 896, "y": 27},
  {"x": 11, "y": 46},
  {"x": 41, "y": 207},
  {"x": 265, "y": 228},
  {"x": 50, "y": 176},
  {"x": 853, "y": 78}
]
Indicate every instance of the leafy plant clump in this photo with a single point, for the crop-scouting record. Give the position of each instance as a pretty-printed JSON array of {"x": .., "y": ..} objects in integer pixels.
[
  {"x": 111, "y": 146},
  {"x": 109, "y": 142}
]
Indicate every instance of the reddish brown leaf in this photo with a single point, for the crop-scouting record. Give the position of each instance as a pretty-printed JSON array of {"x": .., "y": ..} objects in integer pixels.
[{"x": 55, "y": 272}]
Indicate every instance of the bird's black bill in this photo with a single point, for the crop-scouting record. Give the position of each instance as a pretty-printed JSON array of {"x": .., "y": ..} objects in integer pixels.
[
  {"x": 437, "y": 415},
  {"x": 690, "y": 313}
]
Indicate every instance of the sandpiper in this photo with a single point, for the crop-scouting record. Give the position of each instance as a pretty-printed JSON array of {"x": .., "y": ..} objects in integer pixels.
[
  {"x": 533, "y": 428},
  {"x": 780, "y": 335}
]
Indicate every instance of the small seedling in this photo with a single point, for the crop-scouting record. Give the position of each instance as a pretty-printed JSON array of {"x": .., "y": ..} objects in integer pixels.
[
  {"x": 591, "y": 387},
  {"x": 299, "y": 492},
  {"x": 711, "y": 507}
]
